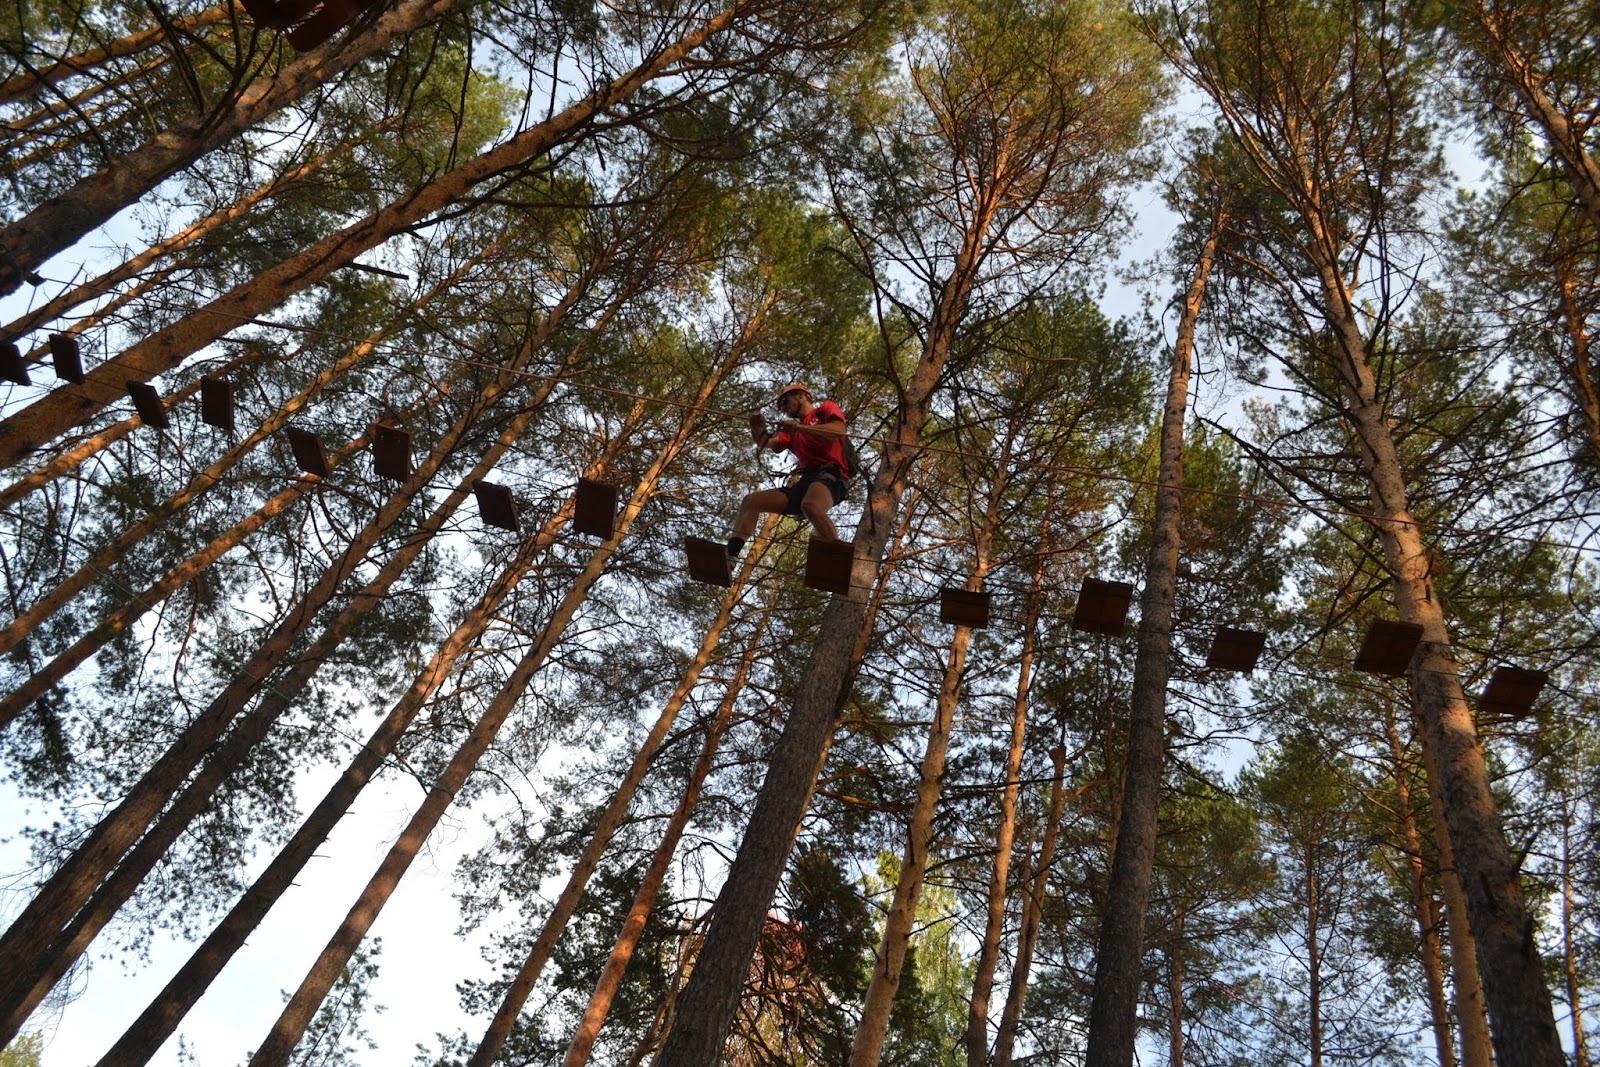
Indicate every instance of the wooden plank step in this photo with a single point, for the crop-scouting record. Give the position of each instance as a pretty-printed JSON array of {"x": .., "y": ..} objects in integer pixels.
[
  {"x": 1102, "y": 607},
  {"x": 1236, "y": 650},
  {"x": 1388, "y": 647},
  {"x": 708, "y": 561},
  {"x": 595, "y": 513},
  {"x": 963, "y": 607}
]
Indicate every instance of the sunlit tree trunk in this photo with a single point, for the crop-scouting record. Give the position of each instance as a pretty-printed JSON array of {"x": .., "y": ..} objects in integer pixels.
[
  {"x": 286, "y": 1033},
  {"x": 1118, "y": 969}
]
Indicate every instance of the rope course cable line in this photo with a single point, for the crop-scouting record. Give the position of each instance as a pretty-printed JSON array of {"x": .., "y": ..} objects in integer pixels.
[{"x": 1324, "y": 512}]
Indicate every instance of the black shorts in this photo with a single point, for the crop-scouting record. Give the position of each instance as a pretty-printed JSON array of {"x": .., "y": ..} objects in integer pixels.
[{"x": 797, "y": 492}]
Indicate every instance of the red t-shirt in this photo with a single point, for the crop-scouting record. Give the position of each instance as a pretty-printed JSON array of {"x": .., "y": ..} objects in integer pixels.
[{"x": 825, "y": 452}]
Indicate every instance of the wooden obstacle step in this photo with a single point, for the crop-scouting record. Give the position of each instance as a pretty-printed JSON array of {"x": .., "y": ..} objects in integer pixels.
[
  {"x": 67, "y": 357},
  {"x": 1102, "y": 607},
  {"x": 309, "y": 454},
  {"x": 1388, "y": 647},
  {"x": 829, "y": 565},
  {"x": 595, "y": 509},
  {"x": 12, "y": 368},
  {"x": 147, "y": 402},
  {"x": 331, "y": 17},
  {"x": 216, "y": 402},
  {"x": 708, "y": 561},
  {"x": 1236, "y": 650},
  {"x": 391, "y": 452},
  {"x": 496, "y": 506},
  {"x": 1511, "y": 692},
  {"x": 963, "y": 607}
]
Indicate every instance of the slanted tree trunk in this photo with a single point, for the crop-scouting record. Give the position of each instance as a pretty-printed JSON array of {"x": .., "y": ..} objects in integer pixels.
[
  {"x": 566, "y": 905},
  {"x": 71, "y": 405},
  {"x": 1118, "y": 970},
  {"x": 1584, "y": 391},
  {"x": 60, "y": 221},
  {"x": 1032, "y": 909},
  {"x": 161, "y": 1017},
  {"x": 33, "y": 81},
  {"x": 1005, "y": 837},
  {"x": 71, "y": 885},
  {"x": 633, "y": 924},
  {"x": 286, "y": 1033},
  {"x": 1423, "y": 905},
  {"x": 1569, "y": 939}
]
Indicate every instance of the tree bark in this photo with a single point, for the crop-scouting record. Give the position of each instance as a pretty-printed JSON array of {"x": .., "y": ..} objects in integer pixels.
[
  {"x": 1119, "y": 957},
  {"x": 1424, "y": 908},
  {"x": 71, "y": 405},
  {"x": 60, "y": 221},
  {"x": 161, "y": 1017},
  {"x": 286, "y": 1033},
  {"x": 1032, "y": 910},
  {"x": 605, "y": 991}
]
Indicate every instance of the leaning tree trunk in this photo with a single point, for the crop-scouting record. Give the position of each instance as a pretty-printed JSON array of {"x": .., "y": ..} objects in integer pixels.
[
  {"x": 644, "y": 899},
  {"x": 71, "y": 885},
  {"x": 1113, "y": 1012},
  {"x": 1584, "y": 391},
  {"x": 290, "y": 1027},
  {"x": 60, "y": 221},
  {"x": 161, "y": 1017},
  {"x": 1032, "y": 911},
  {"x": 1005, "y": 836},
  {"x": 1522, "y": 1020},
  {"x": 706, "y": 1009},
  {"x": 30, "y": 82},
  {"x": 1424, "y": 907},
  {"x": 72, "y": 405}
]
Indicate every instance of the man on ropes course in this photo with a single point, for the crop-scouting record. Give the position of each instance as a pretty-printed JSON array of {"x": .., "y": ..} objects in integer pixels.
[{"x": 815, "y": 434}]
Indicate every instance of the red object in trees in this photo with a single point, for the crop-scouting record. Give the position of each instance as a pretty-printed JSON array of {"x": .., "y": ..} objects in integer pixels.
[
  {"x": 1102, "y": 607},
  {"x": 1388, "y": 647}
]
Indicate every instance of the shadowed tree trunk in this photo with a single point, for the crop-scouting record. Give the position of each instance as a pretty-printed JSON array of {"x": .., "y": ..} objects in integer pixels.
[{"x": 1118, "y": 970}]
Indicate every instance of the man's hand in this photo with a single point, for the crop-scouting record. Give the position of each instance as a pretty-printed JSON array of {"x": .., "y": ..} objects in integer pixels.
[{"x": 758, "y": 428}]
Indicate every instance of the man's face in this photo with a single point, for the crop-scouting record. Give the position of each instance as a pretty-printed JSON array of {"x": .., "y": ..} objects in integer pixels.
[{"x": 790, "y": 404}]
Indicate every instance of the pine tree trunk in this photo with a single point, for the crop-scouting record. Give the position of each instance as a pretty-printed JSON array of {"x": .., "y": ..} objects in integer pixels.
[
  {"x": 1522, "y": 1021},
  {"x": 72, "y": 405},
  {"x": 71, "y": 885},
  {"x": 1032, "y": 909},
  {"x": 1472, "y": 1013},
  {"x": 1313, "y": 956},
  {"x": 160, "y": 1019},
  {"x": 989, "y": 947},
  {"x": 605, "y": 991},
  {"x": 1422, "y": 902},
  {"x": 1584, "y": 392},
  {"x": 867, "y": 1047},
  {"x": 33, "y": 81},
  {"x": 1119, "y": 956},
  {"x": 1175, "y": 1003},
  {"x": 1569, "y": 942},
  {"x": 705, "y": 1010},
  {"x": 59, "y": 222},
  {"x": 286, "y": 1033},
  {"x": 566, "y": 905}
]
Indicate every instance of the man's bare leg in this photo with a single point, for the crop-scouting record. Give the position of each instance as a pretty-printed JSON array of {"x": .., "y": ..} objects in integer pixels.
[
  {"x": 750, "y": 512},
  {"x": 814, "y": 506}
]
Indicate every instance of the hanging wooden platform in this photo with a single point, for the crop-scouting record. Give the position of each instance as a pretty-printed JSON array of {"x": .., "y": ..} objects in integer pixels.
[
  {"x": 1388, "y": 647},
  {"x": 708, "y": 561},
  {"x": 963, "y": 607},
  {"x": 595, "y": 510},
  {"x": 216, "y": 402},
  {"x": 391, "y": 452},
  {"x": 67, "y": 357},
  {"x": 147, "y": 402},
  {"x": 1511, "y": 692},
  {"x": 11, "y": 365},
  {"x": 1236, "y": 650},
  {"x": 278, "y": 14},
  {"x": 829, "y": 565},
  {"x": 333, "y": 16},
  {"x": 1102, "y": 607},
  {"x": 308, "y": 451},
  {"x": 496, "y": 506}
]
